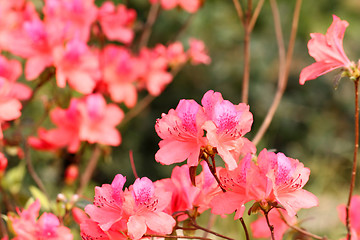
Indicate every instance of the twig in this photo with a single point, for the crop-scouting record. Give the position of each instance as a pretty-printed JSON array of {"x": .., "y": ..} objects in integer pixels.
[
  {"x": 169, "y": 236},
  {"x": 90, "y": 168},
  {"x": 245, "y": 228},
  {"x": 32, "y": 171},
  {"x": 153, "y": 13},
  {"x": 137, "y": 109},
  {"x": 256, "y": 14},
  {"x": 131, "y": 156},
  {"x": 207, "y": 230},
  {"x": 239, "y": 11},
  {"x": 300, "y": 230},
  {"x": 283, "y": 82},
  {"x": 246, "y": 74},
  {"x": 356, "y": 147},
  {"x": 210, "y": 223},
  {"x": 271, "y": 227},
  {"x": 182, "y": 29}
]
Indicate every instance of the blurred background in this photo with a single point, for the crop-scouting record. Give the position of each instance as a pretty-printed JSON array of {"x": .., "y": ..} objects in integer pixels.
[{"x": 314, "y": 122}]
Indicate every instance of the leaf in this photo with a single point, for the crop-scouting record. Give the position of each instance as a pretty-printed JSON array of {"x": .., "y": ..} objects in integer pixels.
[
  {"x": 13, "y": 178},
  {"x": 38, "y": 194}
]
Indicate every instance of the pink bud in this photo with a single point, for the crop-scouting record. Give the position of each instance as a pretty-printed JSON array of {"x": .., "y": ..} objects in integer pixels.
[
  {"x": 3, "y": 163},
  {"x": 71, "y": 174}
]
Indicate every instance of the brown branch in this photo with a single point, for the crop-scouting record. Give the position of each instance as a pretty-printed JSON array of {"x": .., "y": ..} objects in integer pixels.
[
  {"x": 32, "y": 171},
  {"x": 283, "y": 82},
  {"x": 239, "y": 11},
  {"x": 300, "y": 230},
  {"x": 131, "y": 156},
  {"x": 245, "y": 228},
  {"x": 210, "y": 223},
  {"x": 246, "y": 74},
  {"x": 356, "y": 147},
  {"x": 207, "y": 230},
  {"x": 175, "y": 237},
  {"x": 271, "y": 227},
  {"x": 90, "y": 168},
  {"x": 153, "y": 13},
  {"x": 256, "y": 14}
]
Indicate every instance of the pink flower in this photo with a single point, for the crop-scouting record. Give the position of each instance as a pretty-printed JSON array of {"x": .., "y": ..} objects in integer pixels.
[
  {"x": 133, "y": 212},
  {"x": 76, "y": 15},
  {"x": 186, "y": 196},
  {"x": 327, "y": 50},
  {"x": 182, "y": 131},
  {"x": 236, "y": 184},
  {"x": 77, "y": 65},
  {"x": 197, "y": 52},
  {"x": 87, "y": 119},
  {"x": 354, "y": 216},
  {"x": 227, "y": 126},
  {"x": 285, "y": 178},
  {"x": 117, "y": 22},
  {"x": 28, "y": 227},
  {"x": 3, "y": 164},
  {"x": 153, "y": 74},
  {"x": 182, "y": 134},
  {"x": 260, "y": 229},
  {"x": 120, "y": 73},
  {"x": 189, "y": 5},
  {"x": 174, "y": 53}
]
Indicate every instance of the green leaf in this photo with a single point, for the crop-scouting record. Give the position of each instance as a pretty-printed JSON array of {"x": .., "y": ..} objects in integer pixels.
[
  {"x": 38, "y": 194},
  {"x": 13, "y": 178}
]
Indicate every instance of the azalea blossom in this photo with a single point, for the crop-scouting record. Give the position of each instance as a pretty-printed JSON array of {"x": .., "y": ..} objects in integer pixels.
[
  {"x": 76, "y": 64},
  {"x": 186, "y": 196},
  {"x": 197, "y": 52},
  {"x": 182, "y": 131},
  {"x": 328, "y": 51},
  {"x": 87, "y": 119},
  {"x": 132, "y": 212},
  {"x": 27, "y": 226},
  {"x": 3, "y": 164},
  {"x": 189, "y": 5},
  {"x": 116, "y": 22}
]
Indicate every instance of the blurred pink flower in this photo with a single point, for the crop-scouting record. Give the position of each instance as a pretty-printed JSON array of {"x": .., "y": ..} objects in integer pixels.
[
  {"x": 197, "y": 52},
  {"x": 117, "y": 22},
  {"x": 120, "y": 73},
  {"x": 3, "y": 164},
  {"x": 75, "y": 15},
  {"x": 28, "y": 227},
  {"x": 188, "y": 5},
  {"x": 78, "y": 65},
  {"x": 354, "y": 216},
  {"x": 327, "y": 50},
  {"x": 153, "y": 71},
  {"x": 174, "y": 53},
  {"x": 87, "y": 119},
  {"x": 260, "y": 229},
  {"x": 182, "y": 134}
]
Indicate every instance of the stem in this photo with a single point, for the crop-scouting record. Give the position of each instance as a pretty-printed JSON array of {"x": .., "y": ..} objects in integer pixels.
[
  {"x": 213, "y": 171},
  {"x": 133, "y": 164},
  {"x": 153, "y": 13},
  {"x": 169, "y": 236},
  {"x": 209, "y": 231},
  {"x": 182, "y": 29},
  {"x": 246, "y": 74},
  {"x": 245, "y": 228},
  {"x": 32, "y": 172},
  {"x": 239, "y": 11},
  {"x": 90, "y": 168},
  {"x": 210, "y": 223},
  {"x": 138, "y": 109},
  {"x": 271, "y": 227},
  {"x": 353, "y": 174},
  {"x": 282, "y": 82},
  {"x": 256, "y": 14},
  {"x": 300, "y": 230}
]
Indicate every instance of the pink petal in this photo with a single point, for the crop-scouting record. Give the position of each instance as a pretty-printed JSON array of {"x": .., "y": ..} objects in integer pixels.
[{"x": 136, "y": 226}]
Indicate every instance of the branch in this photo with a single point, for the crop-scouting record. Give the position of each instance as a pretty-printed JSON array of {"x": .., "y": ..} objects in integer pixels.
[
  {"x": 153, "y": 13},
  {"x": 356, "y": 147},
  {"x": 239, "y": 11},
  {"x": 90, "y": 168},
  {"x": 282, "y": 81}
]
